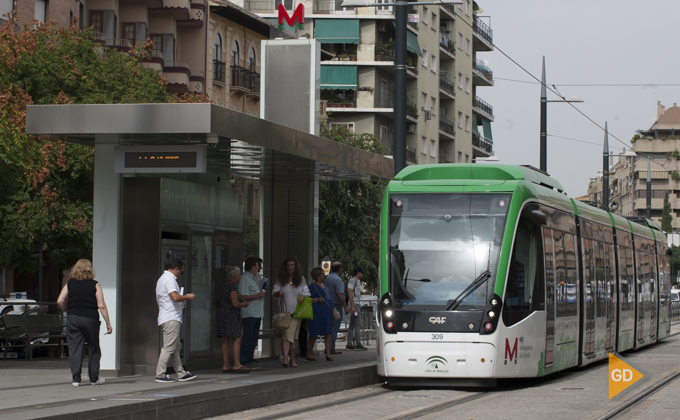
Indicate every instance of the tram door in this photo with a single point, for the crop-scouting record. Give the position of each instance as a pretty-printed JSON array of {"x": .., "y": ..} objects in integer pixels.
[
  {"x": 589, "y": 290},
  {"x": 549, "y": 296}
]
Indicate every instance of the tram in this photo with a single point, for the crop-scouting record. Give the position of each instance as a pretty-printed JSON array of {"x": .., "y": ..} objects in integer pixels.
[{"x": 492, "y": 271}]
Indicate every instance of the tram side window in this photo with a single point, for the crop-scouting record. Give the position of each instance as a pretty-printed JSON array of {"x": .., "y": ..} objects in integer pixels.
[
  {"x": 560, "y": 274},
  {"x": 525, "y": 285},
  {"x": 599, "y": 279},
  {"x": 589, "y": 271},
  {"x": 571, "y": 268},
  {"x": 627, "y": 288}
]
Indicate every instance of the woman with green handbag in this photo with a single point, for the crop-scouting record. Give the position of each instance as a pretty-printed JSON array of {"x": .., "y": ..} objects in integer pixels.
[{"x": 291, "y": 287}]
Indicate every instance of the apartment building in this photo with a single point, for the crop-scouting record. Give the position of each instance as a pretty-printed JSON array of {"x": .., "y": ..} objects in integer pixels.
[
  {"x": 658, "y": 147},
  {"x": 446, "y": 120}
]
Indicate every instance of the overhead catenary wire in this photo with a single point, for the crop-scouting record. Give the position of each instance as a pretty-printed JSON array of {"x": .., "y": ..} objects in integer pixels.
[{"x": 546, "y": 86}]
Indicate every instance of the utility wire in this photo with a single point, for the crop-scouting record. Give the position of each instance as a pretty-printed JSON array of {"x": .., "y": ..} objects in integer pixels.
[
  {"x": 582, "y": 141},
  {"x": 546, "y": 86},
  {"x": 594, "y": 84}
]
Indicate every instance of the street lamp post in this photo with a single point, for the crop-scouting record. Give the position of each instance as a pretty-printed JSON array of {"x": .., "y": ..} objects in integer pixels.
[
  {"x": 400, "y": 30},
  {"x": 544, "y": 118},
  {"x": 648, "y": 203}
]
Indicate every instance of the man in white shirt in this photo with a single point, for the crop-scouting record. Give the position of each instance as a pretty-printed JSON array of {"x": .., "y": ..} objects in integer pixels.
[{"x": 170, "y": 320}]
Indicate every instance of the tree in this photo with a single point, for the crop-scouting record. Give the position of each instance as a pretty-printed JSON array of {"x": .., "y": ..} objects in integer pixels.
[
  {"x": 666, "y": 216},
  {"x": 46, "y": 190},
  {"x": 251, "y": 236},
  {"x": 349, "y": 213}
]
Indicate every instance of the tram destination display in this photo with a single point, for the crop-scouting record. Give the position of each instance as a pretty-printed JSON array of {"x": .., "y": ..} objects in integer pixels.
[{"x": 160, "y": 159}]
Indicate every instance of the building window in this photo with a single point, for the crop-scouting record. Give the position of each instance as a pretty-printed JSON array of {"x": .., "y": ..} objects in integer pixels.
[
  {"x": 218, "y": 47},
  {"x": 40, "y": 10},
  {"x": 460, "y": 41},
  {"x": 97, "y": 20},
  {"x": 467, "y": 46},
  {"x": 425, "y": 15},
  {"x": 350, "y": 127},
  {"x": 433, "y": 105},
  {"x": 424, "y": 61},
  {"x": 460, "y": 80},
  {"x": 423, "y": 145},
  {"x": 460, "y": 157},
  {"x": 252, "y": 60},
  {"x": 434, "y": 22},
  {"x": 467, "y": 158},
  {"x": 234, "y": 54},
  {"x": 433, "y": 148},
  {"x": 423, "y": 100},
  {"x": 460, "y": 119},
  {"x": 467, "y": 123},
  {"x": 157, "y": 48},
  {"x": 467, "y": 84},
  {"x": 129, "y": 32},
  {"x": 467, "y": 7},
  {"x": 434, "y": 64}
]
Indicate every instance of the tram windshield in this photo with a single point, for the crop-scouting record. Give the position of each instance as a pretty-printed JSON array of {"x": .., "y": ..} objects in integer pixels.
[{"x": 439, "y": 244}]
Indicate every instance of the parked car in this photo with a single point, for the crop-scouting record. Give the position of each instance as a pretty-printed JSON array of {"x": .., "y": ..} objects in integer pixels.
[
  {"x": 675, "y": 295},
  {"x": 17, "y": 305}
]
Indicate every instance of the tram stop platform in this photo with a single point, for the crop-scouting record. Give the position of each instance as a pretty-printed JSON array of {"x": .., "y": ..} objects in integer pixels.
[{"x": 41, "y": 388}]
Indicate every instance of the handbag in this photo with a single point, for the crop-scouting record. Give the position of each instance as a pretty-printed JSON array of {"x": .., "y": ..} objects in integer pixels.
[
  {"x": 336, "y": 313},
  {"x": 281, "y": 320},
  {"x": 304, "y": 309}
]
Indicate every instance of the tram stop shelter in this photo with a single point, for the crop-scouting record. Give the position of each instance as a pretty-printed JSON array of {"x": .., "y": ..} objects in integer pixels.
[{"x": 147, "y": 213}]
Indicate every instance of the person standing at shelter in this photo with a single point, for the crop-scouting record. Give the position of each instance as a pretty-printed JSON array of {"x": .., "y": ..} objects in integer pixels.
[
  {"x": 290, "y": 289},
  {"x": 337, "y": 287},
  {"x": 81, "y": 297},
  {"x": 169, "y": 302},
  {"x": 251, "y": 316},
  {"x": 354, "y": 294}
]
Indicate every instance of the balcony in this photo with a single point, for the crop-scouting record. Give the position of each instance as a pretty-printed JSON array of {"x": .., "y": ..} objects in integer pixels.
[
  {"x": 482, "y": 74},
  {"x": 243, "y": 80},
  {"x": 385, "y": 54},
  {"x": 332, "y": 7},
  {"x": 483, "y": 108},
  {"x": 447, "y": 44},
  {"x": 411, "y": 154},
  {"x": 447, "y": 126},
  {"x": 253, "y": 84},
  {"x": 413, "y": 25},
  {"x": 339, "y": 99},
  {"x": 266, "y": 5},
  {"x": 450, "y": 9},
  {"x": 386, "y": 100},
  {"x": 121, "y": 44},
  {"x": 483, "y": 36},
  {"x": 482, "y": 144},
  {"x": 411, "y": 110},
  {"x": 447, "y": 86},
  {"x": 178, "y": 74},
  {"x": 219, "y": 70}
]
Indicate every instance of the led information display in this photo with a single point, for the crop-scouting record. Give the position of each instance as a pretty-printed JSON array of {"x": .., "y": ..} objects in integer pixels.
[{"x": 159, "y": 159}]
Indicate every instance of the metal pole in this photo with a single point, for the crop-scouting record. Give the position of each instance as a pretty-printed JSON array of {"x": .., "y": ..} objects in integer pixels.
[
  {"x": 399, "y": 151},
  {"x": 544, "y": 122},
  {"x": 649, "y": 191},
  {"x": 605, "y": 171}
]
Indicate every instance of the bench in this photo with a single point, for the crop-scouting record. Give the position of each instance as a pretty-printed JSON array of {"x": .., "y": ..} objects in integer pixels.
[
  {"x": 269, "y": 333},
  {"x": 22, "y": 330}
]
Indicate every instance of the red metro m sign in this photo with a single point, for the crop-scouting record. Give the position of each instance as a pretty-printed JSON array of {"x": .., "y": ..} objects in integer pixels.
[{"x": 298, "y": 14}]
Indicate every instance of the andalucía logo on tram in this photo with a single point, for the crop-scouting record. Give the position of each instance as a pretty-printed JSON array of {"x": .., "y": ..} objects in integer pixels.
[{"x": 436, "y": 364}]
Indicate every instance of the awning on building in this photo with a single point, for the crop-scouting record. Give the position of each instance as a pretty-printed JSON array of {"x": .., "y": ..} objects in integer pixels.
[
  {"x": 339, "y": 77},
  {"x": 412, "y": 44},
  {"x": 337, "y": 31},
  {"x": 487, "y": 129}
]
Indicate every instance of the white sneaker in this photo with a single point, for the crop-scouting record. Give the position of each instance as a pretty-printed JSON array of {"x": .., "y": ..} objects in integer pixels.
[
  {"x": 76, "y": 384},
  {"x": 99, "y": 381}
]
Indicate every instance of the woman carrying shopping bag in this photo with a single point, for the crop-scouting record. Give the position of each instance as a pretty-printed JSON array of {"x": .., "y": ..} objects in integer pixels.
[{"x": 290, "y": 288}]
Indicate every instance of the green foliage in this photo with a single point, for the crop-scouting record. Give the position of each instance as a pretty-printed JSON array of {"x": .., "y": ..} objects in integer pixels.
[
  {"x": 635, "y": 138},
  {"x": 674, "y": 154},
  {"x": 349, "y": 213},
  {"x": 666, "y": 216},
  {"x": 251, "y": 236},
  {"x": 47, "y": 185},
  {"x": 675, "y": 175}
]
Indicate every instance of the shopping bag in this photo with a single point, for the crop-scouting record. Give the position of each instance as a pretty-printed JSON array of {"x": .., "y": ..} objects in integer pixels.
[
  {"x": 304, "y": 310},
  {"x": 281, "y": 320}
]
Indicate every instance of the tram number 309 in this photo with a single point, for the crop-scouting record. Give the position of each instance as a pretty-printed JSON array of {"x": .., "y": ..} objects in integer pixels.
[{"x": 437, "y": 336}]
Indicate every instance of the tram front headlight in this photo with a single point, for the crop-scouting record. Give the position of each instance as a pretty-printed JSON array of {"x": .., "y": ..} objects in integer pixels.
[
  {"x": 491, "y": 314},
  {"x": 388, "y": 313},
  {"x": 494, "y": 302}
]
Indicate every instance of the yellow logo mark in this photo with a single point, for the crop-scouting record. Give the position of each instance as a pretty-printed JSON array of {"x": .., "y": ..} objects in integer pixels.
[{"x": 621, "y": 375}]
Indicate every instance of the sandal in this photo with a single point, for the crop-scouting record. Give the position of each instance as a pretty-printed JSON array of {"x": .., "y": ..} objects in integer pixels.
[
  {"x": 226, "y": 370},
  {"x": 284, "y": 364},
  {"x": 329, "y": 359},
  {"x": 241, "y": 369},
  {"x": 293, "y": 365},
  {"x": 310, "y": 358}
]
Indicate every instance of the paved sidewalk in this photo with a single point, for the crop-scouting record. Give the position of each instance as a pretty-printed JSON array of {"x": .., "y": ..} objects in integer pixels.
[{"x": 42, "y": 388}]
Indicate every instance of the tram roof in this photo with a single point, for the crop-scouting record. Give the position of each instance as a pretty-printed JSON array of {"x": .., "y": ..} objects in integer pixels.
[{"x": 474, "y": 171}]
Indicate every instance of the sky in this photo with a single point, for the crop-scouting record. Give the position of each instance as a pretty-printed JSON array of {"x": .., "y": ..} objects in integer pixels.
[{"x": 585, "y": 42}]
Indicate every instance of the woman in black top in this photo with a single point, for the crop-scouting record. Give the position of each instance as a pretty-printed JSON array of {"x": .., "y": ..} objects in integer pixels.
[{"x": 81, "y": 297}]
